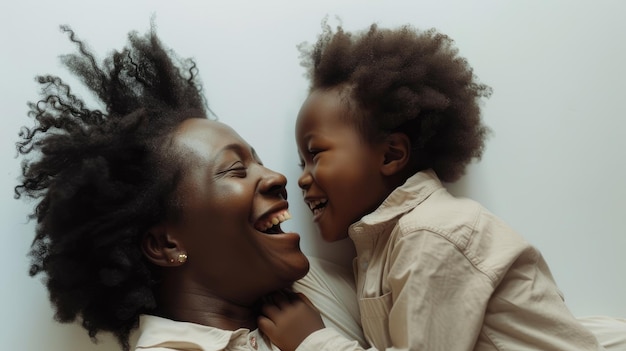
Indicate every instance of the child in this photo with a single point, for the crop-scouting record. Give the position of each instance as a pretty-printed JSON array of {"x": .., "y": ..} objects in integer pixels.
[{"x": 391, "y": 114}]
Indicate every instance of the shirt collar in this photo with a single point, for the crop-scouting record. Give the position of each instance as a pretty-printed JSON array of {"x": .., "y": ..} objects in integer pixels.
[
  {"x": 403, "y": 199},
  {"x": 161, "y": 332}
]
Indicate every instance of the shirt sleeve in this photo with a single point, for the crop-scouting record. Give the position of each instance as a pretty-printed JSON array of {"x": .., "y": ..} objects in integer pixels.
[
  {"x": 493, "y": 292},
  {"x": 328, "y": 339},
  {"x": 528, "y": 311}
]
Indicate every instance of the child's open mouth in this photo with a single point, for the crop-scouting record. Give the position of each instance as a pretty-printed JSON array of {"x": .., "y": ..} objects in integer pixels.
[{"x": 317, "y": 206}]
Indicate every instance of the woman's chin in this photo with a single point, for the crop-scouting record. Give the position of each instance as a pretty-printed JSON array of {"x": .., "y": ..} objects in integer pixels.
[{"x": 296, "y": 268}]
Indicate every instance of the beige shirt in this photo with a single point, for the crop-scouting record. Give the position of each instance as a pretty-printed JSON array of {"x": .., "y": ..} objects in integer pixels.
[
  {"x": 160, "y": 334},
  {"x": 435, "y": 272},
  {"x": 329, "y": 287}
]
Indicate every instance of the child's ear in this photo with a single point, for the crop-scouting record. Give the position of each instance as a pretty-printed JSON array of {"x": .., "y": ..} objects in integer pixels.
[
  {"x": 397, "y": 153},
  {"x": 161, "y": 247}
]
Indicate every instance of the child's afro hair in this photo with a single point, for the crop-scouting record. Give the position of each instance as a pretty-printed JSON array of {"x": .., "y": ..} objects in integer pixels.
[{"x": 404, "y": 80}]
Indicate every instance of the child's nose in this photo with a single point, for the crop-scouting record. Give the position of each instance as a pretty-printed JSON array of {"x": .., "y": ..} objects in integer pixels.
[{"x": 304, "y": 182}]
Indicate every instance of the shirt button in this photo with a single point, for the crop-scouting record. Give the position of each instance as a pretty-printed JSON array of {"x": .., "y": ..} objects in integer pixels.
[{"x": 253, "y": 342}]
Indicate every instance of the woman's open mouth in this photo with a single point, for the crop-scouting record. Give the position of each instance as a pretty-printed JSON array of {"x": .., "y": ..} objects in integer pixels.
[{"x": 270, "y": 224}]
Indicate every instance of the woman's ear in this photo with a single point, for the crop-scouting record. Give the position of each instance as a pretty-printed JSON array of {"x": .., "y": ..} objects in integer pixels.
[
  {"x": 162, "y": 248},
  {"x": 397, "y": 153}
]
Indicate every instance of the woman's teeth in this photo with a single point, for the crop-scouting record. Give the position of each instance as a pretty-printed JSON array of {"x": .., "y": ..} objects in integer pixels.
[{"x": 273, "y": 220}]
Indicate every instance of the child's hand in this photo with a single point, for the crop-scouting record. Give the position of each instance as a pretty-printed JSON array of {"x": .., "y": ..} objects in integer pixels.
[{"x": 289, "y": 320}]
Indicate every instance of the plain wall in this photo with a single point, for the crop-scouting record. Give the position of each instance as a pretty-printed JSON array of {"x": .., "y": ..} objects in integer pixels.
[{"x": 553, "y": 168}]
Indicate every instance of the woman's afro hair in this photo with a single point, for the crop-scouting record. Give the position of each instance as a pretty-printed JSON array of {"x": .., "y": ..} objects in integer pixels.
[
  {"x": 404, "y": 80},
  {"x": 101, "y": 178}
]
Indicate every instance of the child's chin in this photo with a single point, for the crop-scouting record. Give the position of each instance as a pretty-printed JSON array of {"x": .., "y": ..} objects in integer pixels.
[{"x": 332, "y": 237}]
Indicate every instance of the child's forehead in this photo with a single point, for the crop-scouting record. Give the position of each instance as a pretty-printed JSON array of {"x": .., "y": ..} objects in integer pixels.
[
  {"x": 323, "y": 107},
  {"x": 328, "y": 99},
  {"x": 341, "y": 91},
  {"x": 326, "y": 117}
]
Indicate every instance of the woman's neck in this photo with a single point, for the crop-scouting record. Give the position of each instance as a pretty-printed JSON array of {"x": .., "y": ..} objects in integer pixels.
[{"x": 202, "y": 307}]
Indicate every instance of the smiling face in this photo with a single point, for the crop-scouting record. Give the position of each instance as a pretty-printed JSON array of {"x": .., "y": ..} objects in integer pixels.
[
  {"x": 228, "y": 205},
  {"x": 341, "y": 178}
]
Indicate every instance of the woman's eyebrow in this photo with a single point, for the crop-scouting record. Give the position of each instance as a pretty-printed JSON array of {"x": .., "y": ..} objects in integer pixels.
[
  {"x": 255, "y": 155},
  {"x": 237, "y": 148},
  {"x": 240, "y": 150}
]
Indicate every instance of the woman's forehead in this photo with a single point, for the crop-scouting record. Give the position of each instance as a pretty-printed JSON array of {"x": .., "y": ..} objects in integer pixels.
[
  {"x": 207, "y": 137},
  {"x": 195, "y": 124}
]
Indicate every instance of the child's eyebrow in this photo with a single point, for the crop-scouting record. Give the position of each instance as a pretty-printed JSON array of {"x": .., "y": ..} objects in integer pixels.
[{"x": 308, "y": 135}]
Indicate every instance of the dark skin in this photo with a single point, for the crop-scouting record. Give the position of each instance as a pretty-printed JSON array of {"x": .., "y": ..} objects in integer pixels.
[
  {"x": 289, "y": 320},
  {"x": 335, "y": 158},
  {"x": 226, "y": 194}
]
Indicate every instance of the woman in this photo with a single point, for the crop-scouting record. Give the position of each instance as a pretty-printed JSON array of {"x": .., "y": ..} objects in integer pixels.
[{"x": 148, "y": 213}]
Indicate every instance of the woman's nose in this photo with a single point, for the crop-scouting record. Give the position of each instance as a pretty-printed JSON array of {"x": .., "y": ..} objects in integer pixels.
[{"x": 274, "y": 183}]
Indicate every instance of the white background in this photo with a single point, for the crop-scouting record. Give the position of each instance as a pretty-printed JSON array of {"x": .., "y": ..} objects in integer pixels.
[{"x": 554, "y": 167}]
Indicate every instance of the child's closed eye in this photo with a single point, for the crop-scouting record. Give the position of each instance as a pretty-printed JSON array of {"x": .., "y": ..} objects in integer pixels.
[
  {"x": 310, "y": 155},
  {"x": 314, "y": 152}
]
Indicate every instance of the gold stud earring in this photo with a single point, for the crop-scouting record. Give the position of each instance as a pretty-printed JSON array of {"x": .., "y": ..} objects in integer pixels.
[{"x": 182, "y": 258}]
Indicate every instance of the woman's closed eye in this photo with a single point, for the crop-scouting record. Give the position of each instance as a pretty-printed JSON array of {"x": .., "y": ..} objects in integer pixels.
[{"x": 237, "y": 169}]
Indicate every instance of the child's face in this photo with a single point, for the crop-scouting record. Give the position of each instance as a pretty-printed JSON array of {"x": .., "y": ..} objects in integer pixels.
[{"x": 341, "y": 178}]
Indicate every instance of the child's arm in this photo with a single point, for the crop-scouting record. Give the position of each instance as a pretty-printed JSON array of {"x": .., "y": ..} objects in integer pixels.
[
  {"x": 293, "y": 323},
  {"x": 289, "y": 320},
  {"x": 331, "y": 289}
]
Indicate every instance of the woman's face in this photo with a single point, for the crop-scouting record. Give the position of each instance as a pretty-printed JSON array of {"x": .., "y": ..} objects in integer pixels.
[{"x": 227, "y": 203}]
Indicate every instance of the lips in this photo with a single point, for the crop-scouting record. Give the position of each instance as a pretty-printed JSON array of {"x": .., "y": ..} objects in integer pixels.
[{"x": 270, "y": 224}]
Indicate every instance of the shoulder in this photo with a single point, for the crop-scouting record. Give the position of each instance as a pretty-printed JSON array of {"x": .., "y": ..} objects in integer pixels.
[
  {"x": 443, "y": 214},
  {"x": 466, "y": 228}
]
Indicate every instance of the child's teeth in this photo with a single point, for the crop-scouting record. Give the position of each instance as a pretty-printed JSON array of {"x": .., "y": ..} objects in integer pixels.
[{"x": 275, "y": 221}]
